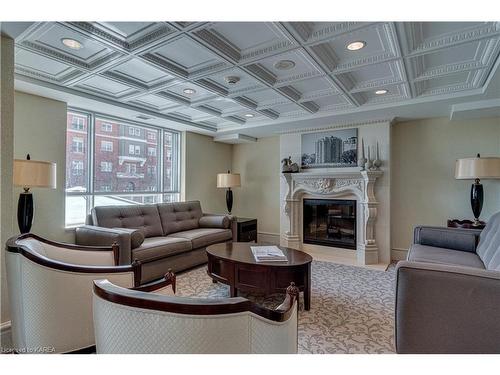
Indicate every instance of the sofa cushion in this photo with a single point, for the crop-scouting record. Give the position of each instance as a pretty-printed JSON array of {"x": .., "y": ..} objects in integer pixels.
[
  {"x": 143, "y": 217},
  {"x": 136, "y": 236},
  {"x": 160, "y": 247},
  {"x": 202, "y": 237},
  {"x": 179, "y": 216},
  {"x": 431, "y": 254},
  {"x": 215, "y": 221},
  {"x": 489, "y": 244}
]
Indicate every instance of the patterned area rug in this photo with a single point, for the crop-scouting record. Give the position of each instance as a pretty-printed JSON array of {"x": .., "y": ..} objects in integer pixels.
[{"x": 352, "y": 308}]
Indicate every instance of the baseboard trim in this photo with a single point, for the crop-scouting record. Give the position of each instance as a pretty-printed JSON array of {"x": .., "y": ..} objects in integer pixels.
[
  {"x": 269, "y": 237},
  {"x": 399, "y": 253}
]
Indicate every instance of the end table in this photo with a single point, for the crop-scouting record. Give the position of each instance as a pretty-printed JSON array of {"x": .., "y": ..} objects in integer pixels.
[{"x": 245, "y": 229}]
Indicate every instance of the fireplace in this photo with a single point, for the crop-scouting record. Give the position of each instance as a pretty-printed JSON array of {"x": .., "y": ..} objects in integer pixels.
[{"x": 330, "y": 222}]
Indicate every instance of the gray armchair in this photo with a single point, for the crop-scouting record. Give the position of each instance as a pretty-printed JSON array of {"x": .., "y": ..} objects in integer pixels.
[{"x": 448, "y": 291}]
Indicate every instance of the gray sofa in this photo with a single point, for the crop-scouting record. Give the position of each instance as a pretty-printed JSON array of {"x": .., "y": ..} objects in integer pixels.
[
  {"x": 448, "y": 291},
  {"x": 160, "y": 236}
]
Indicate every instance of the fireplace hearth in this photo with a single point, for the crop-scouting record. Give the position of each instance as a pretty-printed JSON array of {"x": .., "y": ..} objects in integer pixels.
[{"x": 330, "y": 222}]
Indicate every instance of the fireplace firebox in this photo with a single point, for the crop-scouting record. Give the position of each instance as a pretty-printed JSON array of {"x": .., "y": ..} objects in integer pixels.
[{"x": 330, "y": 222}]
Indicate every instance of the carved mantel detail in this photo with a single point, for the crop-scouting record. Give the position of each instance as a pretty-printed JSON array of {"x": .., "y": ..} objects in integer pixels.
[{"x": 333, "y": 185}]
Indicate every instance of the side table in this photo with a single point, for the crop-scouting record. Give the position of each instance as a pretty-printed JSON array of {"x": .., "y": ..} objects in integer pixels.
[
  {"x": 246, "y": 229},
  {"x": 465, "y": 224}
]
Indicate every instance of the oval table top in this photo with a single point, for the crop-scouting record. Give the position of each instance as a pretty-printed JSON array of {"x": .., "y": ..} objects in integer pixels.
[{"x": 240, "y": 252}]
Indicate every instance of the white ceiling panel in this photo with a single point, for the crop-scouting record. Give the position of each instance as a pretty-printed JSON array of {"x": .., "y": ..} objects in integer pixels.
[
  {"x": 137, "y": 70},
  {"x": 304, "y": 67}
]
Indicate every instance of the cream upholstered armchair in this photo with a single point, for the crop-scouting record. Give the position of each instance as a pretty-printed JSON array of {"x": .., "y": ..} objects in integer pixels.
[
  {"x": 50, "y": 291},
  {"x": 128, "y": 321}
]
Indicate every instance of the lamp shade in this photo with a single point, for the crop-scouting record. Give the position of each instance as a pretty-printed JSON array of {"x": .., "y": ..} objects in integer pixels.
[
  {"x": 482, "y": 168},
  {"x": 34, "y": 173},
  {"x": 228, "y": 180}
]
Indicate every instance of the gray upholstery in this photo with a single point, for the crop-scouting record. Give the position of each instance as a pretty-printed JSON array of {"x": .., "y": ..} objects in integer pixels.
[
  {"x": 450, "y": 238},
  {"x": 203, "y": 237},
  {"x": 430, "y": 254},
  {"x": 214, "y": 221},
  {"x": 144, "y": 217},
  {"x": 489, "y": 244},
  {"x": 90, "y": 235},
  {"x": 160, "y": 247},
  {"x": 175, "y": 234},
  {"x": 176, "y": 217},
  {"x": 446, "y": 309},
  {"x": 448, "y": 291},
  {"x": 136, "y": 236}
]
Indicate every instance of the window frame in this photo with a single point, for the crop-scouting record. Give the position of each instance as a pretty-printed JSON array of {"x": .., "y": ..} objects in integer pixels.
[{"x": 161, "y": 190}]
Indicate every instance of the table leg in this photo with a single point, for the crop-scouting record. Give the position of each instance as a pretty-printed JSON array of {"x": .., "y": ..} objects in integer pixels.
[
  {"x": 307, "y": 288},
  {"x": 233, "y": 292}
]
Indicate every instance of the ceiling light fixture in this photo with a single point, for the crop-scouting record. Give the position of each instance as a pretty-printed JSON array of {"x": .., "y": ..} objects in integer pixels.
[
  {"x": 356, "y": 46},
  {"x": 232, "y": 80},
  {"x": 189, "y": 91},
  {"x": 72, "y": 43},
  {"x": 249, "y": 115},
  {"x": 284, "y": 64},
  {"x": 381, "y": 92}
]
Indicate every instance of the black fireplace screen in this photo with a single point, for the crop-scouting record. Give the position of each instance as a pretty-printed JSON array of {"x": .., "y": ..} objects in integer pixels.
[{"x": 330, "y": 222}]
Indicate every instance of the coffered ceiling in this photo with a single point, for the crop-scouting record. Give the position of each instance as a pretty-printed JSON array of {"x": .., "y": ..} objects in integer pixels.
[{"x": 285, "y": 71}]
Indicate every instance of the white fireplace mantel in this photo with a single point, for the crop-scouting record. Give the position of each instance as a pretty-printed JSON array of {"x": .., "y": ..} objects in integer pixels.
[{"x": 333, "y": 184}]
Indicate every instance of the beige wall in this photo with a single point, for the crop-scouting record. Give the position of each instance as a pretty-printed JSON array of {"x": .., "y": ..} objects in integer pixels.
[
  {"x": 40, "y": 130},
  {"x": 259, "y": 194},
  {"x": 202, "y": 160},
  {"x": 424, "y": 190},
  {"x": 6, "y": 155}
]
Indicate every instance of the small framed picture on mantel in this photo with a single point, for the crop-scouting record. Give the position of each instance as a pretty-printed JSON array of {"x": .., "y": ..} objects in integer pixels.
[{"x": 332, "y": 149}]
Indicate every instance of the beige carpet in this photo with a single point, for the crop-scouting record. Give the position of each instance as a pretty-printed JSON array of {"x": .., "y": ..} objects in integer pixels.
[{"x": 352, "y": 308}]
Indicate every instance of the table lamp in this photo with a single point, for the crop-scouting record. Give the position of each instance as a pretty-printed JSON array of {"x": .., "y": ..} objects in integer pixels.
[
  {"x": 31, "y": 173},
  {"x": 228, "y": 180},
  {"x": 476, "y": 169}
]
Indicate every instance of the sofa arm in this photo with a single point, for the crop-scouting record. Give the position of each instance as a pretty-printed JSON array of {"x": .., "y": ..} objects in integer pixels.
[
  {"x": 446, "y": 309},
  {"x": 215, "y": 221},
  {"x": 450, "y": 238},
  {"x": 91, "y": 235}
]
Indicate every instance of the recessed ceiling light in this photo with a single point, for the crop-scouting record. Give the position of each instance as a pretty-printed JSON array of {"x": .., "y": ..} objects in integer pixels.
[
  {"x": 189, "y": 91},
  {"x": 249, "y": 115},
  {"x": 355, "y": 46},
  {"x": 72, "y": 43},
  {"x": 381, "y": 92},
  {"x": 284, "y": 64}
]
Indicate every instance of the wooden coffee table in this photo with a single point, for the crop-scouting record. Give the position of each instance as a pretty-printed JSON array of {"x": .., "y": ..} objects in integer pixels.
[{"x": 233, "y": 264}]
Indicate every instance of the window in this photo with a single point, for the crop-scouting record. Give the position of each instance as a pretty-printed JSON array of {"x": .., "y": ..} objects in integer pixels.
[
  {"x": 106, "y": 166},
  {"x": 151, "y": 169},
  {"x": 134, "y": 150},
  {"x": 77, "y": 145},
  {"x": 131, "y": 168},
  {"x": 77, "y": 167},
  {"x": 116, "y": 172},
  {"x": 106, "y": 146},
  {"x": 77, "y": 123},
  {"x": 134, "y": 131}
]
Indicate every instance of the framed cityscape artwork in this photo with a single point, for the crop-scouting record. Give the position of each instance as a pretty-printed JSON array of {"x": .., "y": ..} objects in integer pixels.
[{"x": 333, "y": 149}]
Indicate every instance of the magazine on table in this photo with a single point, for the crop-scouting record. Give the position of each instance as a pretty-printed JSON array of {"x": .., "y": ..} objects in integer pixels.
[{"x": 268, "y": 254}]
